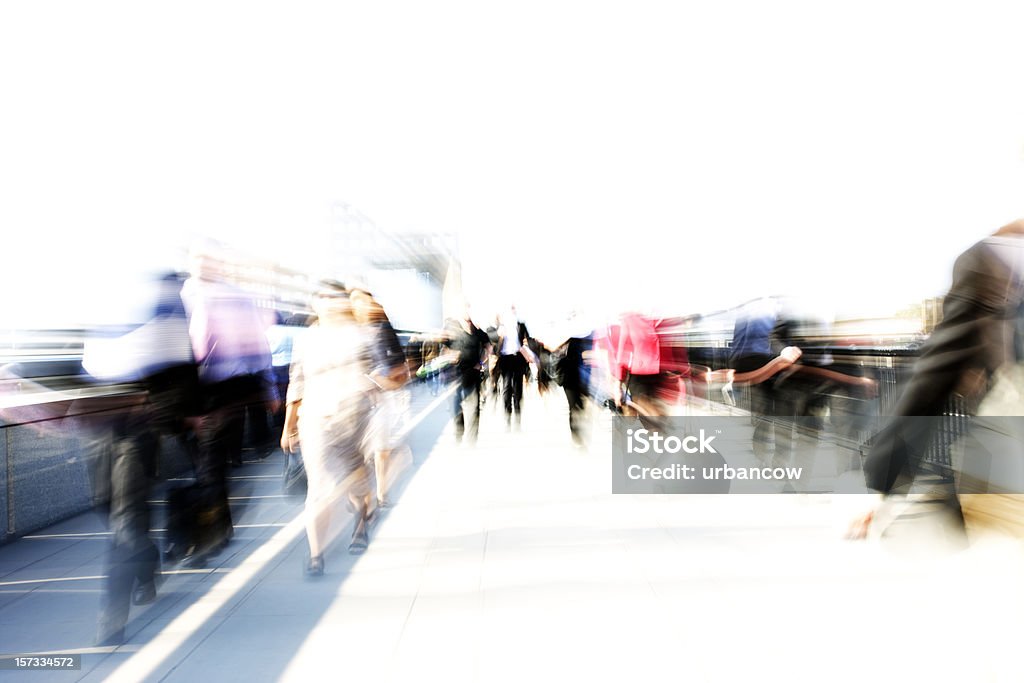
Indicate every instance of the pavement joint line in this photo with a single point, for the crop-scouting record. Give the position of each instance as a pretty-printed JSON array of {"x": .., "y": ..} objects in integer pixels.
[
  {"x": 90, "y": 534},
  {"x": 107, "y": 534},
  {"x": 53, "y": 580},
  {"x": 97, "y": 650},
  {"x": 153, "y": 654},
  {"x": 234, "y": 478}
]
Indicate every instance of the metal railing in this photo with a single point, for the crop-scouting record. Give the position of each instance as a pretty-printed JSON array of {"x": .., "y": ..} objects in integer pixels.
[{"x": 853, "y": 417}]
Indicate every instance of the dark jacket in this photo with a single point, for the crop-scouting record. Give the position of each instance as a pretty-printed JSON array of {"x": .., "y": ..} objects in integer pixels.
[{"x": 976, "y": 336}]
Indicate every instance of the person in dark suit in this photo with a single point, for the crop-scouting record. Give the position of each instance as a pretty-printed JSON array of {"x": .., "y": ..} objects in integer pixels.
[
  {"x": 978, "y": 335},
  {"x": 157, "y": 358},
  {"x": 470, "y": 346},
  {"x": 573, "y": 374},
  {"x": 492, "y": 374},
  {"x": 513, "y": 338}
]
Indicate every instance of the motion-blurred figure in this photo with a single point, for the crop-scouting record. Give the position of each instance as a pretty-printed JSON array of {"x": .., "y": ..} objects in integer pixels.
[
  {"x": 492, "y": 373},
  {"x": 512, "y": 363},
  {"x": 430, "y": 352},
  {"x": 470, "y": 346},
  {"x": 976, "y": 352},
  {"x": 390, "y": 373},
  {"x": 329, "y": 405},
  {"x": 230, "y": 345},
  {"x": 281, "y": 339},
  {"x": 158, "y": 356},
  {"x": 260, "y": 438},
  {"x": 635, "y": 363},
  {"x": 572, "y": 371},
  {"x": 751, "y": 350}
]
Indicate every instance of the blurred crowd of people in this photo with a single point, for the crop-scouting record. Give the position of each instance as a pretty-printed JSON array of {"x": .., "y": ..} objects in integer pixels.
[
  {"x": 780, "y": 362},
  {"x": 228, "y": 378}
]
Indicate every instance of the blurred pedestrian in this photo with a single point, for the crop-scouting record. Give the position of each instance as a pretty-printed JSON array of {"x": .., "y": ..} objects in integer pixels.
[
  {"x": 975, "y": 353},
  {"x": 513, "y": 365},
  {"x": 157, "y": 357},
  {"x": 471, "y": 346},
  {"x": 390, "y": 372},
  {"x": 328, "y": 412},
  {"x": 230, "y": 345},
  {"x": 574, "y": 376}
]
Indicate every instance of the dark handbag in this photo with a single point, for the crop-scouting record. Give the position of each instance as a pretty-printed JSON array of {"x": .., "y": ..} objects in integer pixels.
[{"x": 294, "y": 479}]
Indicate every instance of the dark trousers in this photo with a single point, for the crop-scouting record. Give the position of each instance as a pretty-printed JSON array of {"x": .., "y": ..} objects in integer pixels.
[
  {"x": 219, "y": 438},
  {"x": 512, "y": 368},
  {"x": 575, "y": 395},
  {"x": 257, "y": 427},
  {"x": 130, "y": 452},
  {"x": 467, "y": 392}
]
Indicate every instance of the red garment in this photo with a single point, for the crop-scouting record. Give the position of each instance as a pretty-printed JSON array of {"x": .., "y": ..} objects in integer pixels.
[
  {"x": 609, "y": 343},
  {"x": 638, "y": 347},
  {"x": 674, "y": 362}
]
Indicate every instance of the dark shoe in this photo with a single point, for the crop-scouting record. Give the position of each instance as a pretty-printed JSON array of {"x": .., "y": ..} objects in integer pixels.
[
  {"x": 315, "y": 566},
  {"x": 194, "y": 560},
  {"x": 145, "y": 593},
  {"x": 172, "y": 554},
  {"x": 360, "y": 541}
]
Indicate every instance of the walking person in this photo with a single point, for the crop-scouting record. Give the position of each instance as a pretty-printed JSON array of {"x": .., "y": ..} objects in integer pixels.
[
  {"x": 328, "y": 410},
  {"x": 512, "y": 364},
  {"x": 573, "y": 372},
  {"x": 157, "y": 357},
  {"x": 977, "y": 354},
  {"x": 492, "y": 374},
  {"x": 390, "y": 372},
  {"x": 471, "y": 347},
  {"x": 230, "y": 346}
]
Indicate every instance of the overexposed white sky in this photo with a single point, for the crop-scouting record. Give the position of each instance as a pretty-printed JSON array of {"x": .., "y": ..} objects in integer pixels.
[{"x": 676, "y": 156}]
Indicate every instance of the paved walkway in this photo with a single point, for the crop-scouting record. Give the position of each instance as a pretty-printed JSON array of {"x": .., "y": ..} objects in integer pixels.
[{"x": 511, "y": 561}]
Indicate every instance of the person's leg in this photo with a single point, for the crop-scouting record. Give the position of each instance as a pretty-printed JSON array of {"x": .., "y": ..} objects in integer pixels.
[
  {"x": 380, "y": 463},
  {"x": 574, "y": 398},
  {"x": 116, "y": 600},
  {"x": 388, "y": 415},
  {"x": 318, "y": 521},
  {"x": 457, "y": 407},
  {"x": 219, "y": 438},
  {"x": 506, "y": 366},
  {"x": 258, "y": 427},
  {"x": 319, "y": 489},
  {"x": 474, "y": 399},
  {"x": 359, "y": 498},
  {"x": 517, "y": 384},
  {"x": 133, "y": 559},
  {"x": 232, "y": 434},
  {"x": 495, "y": 380}
]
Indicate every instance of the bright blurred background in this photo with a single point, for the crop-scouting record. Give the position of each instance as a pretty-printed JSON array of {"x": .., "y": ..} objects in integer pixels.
[{"x": 671, "y": 157}]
